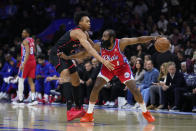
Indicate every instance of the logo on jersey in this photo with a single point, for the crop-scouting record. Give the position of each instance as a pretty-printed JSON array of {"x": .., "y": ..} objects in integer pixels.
[
  {"x": 111, "y": 58},
  {"x": 127, "y": 75}
]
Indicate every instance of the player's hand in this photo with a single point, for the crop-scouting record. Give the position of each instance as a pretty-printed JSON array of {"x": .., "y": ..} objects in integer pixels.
[
  {"x": 157, "y": 37},
  {"x": 63, "y": 56},
  {"x": 109, "y": 65}
]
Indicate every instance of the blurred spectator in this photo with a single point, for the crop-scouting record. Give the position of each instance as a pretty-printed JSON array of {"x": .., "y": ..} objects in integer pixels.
[
  {"x": 176, "y": 37},
  {"x": 162, "y": 23},
  {"x": 38, "y": 46},
  {"x": 189, "y": 50},
  {"x": 140, "y": 52},
  {"x": 8, "y": 70},
  {"x": 132, "y": 63},
  {"x": 183, "y": 68},
  {"x": 139, "y": 76},
  {"x": 140, "y": 8},
  {"x": 89, "y": 77},
  {"x": 173, "y": 89},
  {"x": 43, "y": 85},
  {"x": 155, "y": 89},
  {"x": 59, "y": 33},
  {"x": 150, "y": 77},
  {"x": 160, "y": 58}
]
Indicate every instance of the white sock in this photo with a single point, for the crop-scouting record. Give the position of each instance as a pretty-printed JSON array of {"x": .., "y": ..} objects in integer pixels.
[
  {"x": 20, "y": 88},
  {"x": 90, "y": 108},
  {"x": 143, "y": 107},
  {"x": 33, "y": 96},
  {"x": 46, "y": 97},
  {"x": 39, "y": 95}
]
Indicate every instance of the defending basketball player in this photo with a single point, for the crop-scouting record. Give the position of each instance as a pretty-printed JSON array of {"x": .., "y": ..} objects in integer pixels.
[
  {"x": 70, "y": 43},
  {"x": 27, "y": 67},
  {"x": 111, "y": 49}
]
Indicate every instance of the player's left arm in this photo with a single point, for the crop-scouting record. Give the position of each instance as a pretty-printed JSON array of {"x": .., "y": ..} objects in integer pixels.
[
  {"x": 131, "y": 41},
  {"x": 27, "y": 52}
]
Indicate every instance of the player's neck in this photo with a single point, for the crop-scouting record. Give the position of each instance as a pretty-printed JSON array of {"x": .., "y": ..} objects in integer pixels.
[
  {"x": 81, "y": 28},
  {"x": 111, "y": 46}
]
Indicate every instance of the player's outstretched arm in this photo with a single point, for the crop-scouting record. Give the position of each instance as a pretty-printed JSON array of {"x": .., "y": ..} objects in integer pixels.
[
  {"x": 79, "y": 55},
  {"x": 81, "y": 36},
  {"x": 130, "y": 41}
]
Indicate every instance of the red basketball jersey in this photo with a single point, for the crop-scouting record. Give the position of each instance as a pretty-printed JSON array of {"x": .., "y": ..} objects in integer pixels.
[
  {"x": 115, "y": 55},
  {"x": 31, "y": 48}
]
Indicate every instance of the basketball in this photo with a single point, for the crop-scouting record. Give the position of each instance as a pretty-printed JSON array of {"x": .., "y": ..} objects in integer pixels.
[{"x": 162, "y": 44}]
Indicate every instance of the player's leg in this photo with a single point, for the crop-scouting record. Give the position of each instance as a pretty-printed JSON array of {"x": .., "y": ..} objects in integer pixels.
[
  {"x": 126, "y": 77},
  {"x": 77, "y": 93},
  {"x": 88, "y": 117},
  {"x": 32, "y": 87},
  {"x": 22, "y": 76},
  {"x": 66, "y": 87},
  {"x": 131, "y": 84}
]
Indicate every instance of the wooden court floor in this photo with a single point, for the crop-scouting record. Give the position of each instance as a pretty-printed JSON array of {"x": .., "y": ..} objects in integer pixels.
[{"x": 53, "y": 117}]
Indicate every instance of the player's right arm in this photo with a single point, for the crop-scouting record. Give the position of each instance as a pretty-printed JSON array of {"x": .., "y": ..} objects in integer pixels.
[
  {"x": 26, "y": 46},
  {"x": 82, "y": 37}
]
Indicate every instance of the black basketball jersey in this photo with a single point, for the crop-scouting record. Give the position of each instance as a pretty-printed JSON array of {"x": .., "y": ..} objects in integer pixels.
[{"x": 67, "y": 45}]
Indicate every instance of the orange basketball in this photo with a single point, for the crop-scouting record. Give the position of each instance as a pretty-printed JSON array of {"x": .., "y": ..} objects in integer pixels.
[{"x": 162, "y": 44}]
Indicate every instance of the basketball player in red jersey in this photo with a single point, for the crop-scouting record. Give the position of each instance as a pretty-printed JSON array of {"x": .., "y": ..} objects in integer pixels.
[
  {"x": 111, "y": 49},
  {"x": 27, "y": 67}
]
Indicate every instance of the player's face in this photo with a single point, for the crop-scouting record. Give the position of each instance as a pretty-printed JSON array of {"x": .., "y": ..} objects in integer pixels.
[
  {"x": 85, "y": 23},
  {"x": 24, "y": 34},
  {"x": 106, "y": 40}
]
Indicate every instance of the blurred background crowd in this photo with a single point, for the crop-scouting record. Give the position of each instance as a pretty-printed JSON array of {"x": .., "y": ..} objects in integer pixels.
[{"x": 174, "y": 19}]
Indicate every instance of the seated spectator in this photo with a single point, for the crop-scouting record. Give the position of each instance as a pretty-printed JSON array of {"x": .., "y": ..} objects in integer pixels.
[
  {"x": 183, "y": 68},
  {"x": 8, "y": 70},
  {"x": 146, "y": 58},
  {"x": 155, "y": 89},
  {"x": 150, "y": 77},
  {"x": 140, "y": 53},
  {"x": 173, "y": 89},
  {"x": 139, "y": 76},
  {"x": 111, "y": 92},
  {"x": 89, "y": 77},
  {"x": 132, "y": 63},
  {"x": 43, "y": 83},
  {"x": 189, "y": 50}
]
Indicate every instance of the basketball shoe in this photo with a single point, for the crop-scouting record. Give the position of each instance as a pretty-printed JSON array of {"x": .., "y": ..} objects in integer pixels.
[
  {"x": 88, "y": 117},
  {"x": 148, "y": 116}
]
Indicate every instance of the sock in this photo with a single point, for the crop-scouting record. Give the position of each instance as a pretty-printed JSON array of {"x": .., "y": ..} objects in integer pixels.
[
  {"x": 20, "y": 88},
  {"x": 143, "y": 107},
  {"x": 33, "y": 96},
  {"x": 67, "y": 93},
  {"x": 90, "y": 108},
  {"x": 39, "y": 95},
  {"x": 46, "y": 97},
  {"x": 77, "y": 96}
]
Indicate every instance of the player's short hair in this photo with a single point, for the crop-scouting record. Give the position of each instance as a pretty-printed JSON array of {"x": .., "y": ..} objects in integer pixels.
[
  {"x": 78, "y": 16},
  {"x": 111, "y": 32},
  {"x": 28, "y": 30}
]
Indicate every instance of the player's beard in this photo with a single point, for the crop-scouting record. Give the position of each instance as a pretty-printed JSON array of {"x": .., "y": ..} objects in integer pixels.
[{"x": 105, "y": 44}]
